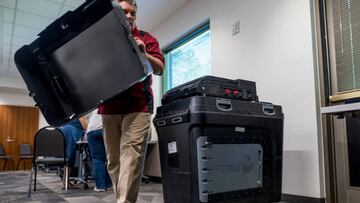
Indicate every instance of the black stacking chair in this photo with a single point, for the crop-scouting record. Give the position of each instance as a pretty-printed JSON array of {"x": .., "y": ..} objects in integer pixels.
[
  {"x": 25, "y": 153},
  {"x": 49, "y": 149},
  {"x": 3, "y": 157}
]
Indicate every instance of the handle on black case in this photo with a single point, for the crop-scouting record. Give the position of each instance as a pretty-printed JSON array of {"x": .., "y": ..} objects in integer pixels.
[
  {"x": 177, "y": 120},
  {"x": 223, "y": 104},
  {"x": 268, "y": 108},
  {"x": 161, "y": 123}
]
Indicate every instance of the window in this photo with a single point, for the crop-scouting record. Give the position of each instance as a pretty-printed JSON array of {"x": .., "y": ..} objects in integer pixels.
[
  {"x": 188, "y": 59},
  {"x": 346, "y": 25}
]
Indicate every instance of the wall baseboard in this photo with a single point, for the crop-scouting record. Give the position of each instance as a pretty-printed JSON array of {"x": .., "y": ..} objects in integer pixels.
[{"x": 287, "y": 198}]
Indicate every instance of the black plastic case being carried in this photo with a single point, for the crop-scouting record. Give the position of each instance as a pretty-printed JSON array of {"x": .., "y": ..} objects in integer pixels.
[
  {"x": 220, "y": 150},
  {"x": 82, "y": 59}
]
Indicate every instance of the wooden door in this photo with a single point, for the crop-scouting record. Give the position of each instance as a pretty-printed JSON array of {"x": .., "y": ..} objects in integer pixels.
[{"x": 20, "y": 125}]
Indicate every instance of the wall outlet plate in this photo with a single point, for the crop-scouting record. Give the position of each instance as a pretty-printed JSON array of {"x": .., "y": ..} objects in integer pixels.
[{"x": 236, "y": 27}]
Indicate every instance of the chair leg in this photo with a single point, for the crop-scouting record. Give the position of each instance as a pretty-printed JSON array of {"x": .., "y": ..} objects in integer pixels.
[
  {"x": 17, "y": 167},
  {"x": 35, "y": 168},
  {"x": 66, "y": 174},
  {"x": 30, "y": 181},
  {"x": 13, "y": 166},
  {"x": 4, "y": 167},
  {"x": 24, "y": 163}
]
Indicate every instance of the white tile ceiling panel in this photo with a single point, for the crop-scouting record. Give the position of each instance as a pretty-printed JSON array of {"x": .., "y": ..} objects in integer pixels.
[
  {"x": 6, "y": 48},
  {"x": 7, "y": 28},
  {"x": 14, "y": 48},
  {"x": 14, "y": 72},
  {"x": 7, "y": 3},
  {"x": 9, "y": 59},
  {"x": 9, "y": 14},
  {"x": 1, "y": 19},
  {"x": 6, "y": 54},
  {"x": 65, "y": 9},
  {"x": 21, "y": 40},
  {"x": 17, "y": 75},
  {"x": 13, "y": 67},
  {"x": 2, "y": 14},
  {"x": 57, "y": 1},
  {"x": 6, "y": 39},
  {"x": 24, "y": 31},
  {"x": 12, "y": 62},
  {"x": 39, "y": 7},
  {"x": 74, "y": 3},
  {"x": 4, "y": 69},
  {"x": 6, "y": 62},
  {"x": 5, "y": 59},
  {"x": 31, "y": 20}
]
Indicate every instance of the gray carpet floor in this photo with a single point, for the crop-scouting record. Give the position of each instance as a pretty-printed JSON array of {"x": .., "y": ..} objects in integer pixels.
[{"x": 14, "y": 188}]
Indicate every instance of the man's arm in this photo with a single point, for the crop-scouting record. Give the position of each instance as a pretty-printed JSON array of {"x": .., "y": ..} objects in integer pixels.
[{"x": 157, "y": 64}]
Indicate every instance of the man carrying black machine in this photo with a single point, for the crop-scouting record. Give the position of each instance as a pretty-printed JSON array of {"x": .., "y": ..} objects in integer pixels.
[{"x": 126, "y": 118}]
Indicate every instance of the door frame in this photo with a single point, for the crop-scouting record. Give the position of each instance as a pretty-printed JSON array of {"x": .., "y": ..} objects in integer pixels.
[{"x": 323, "y": 78}]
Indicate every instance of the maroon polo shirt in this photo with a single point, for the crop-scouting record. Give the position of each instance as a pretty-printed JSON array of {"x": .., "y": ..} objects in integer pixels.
[{"x": 139, "y": 97}]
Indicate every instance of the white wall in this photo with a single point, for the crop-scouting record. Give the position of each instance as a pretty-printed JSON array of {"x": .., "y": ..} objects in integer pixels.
[
  {"x": 156, "y": 86},
  {"x": 273, "y": 48},
  {"x": 15, "y": 99},
  {"x": 13, "y": 92},
  {"x": 12, "y": 82}
]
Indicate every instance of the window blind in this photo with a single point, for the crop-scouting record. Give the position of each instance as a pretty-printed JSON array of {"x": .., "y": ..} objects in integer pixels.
[{"x": 346, "y": 16}]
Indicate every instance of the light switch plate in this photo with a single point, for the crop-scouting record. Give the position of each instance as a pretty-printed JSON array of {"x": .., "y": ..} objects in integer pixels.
[{"x": 236, "y": 27}]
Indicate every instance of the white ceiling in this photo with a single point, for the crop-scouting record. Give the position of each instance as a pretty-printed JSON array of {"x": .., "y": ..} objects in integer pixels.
[{"x": 22, "y": 20}]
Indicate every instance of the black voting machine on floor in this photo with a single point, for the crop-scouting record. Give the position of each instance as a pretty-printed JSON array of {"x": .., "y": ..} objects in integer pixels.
[
  {"x": 80, "y": 60},
  {"x": 219, "y": 144}
]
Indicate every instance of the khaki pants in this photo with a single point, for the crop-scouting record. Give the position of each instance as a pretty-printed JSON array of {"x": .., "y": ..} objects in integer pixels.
[{"x": 125, "y": 138}]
